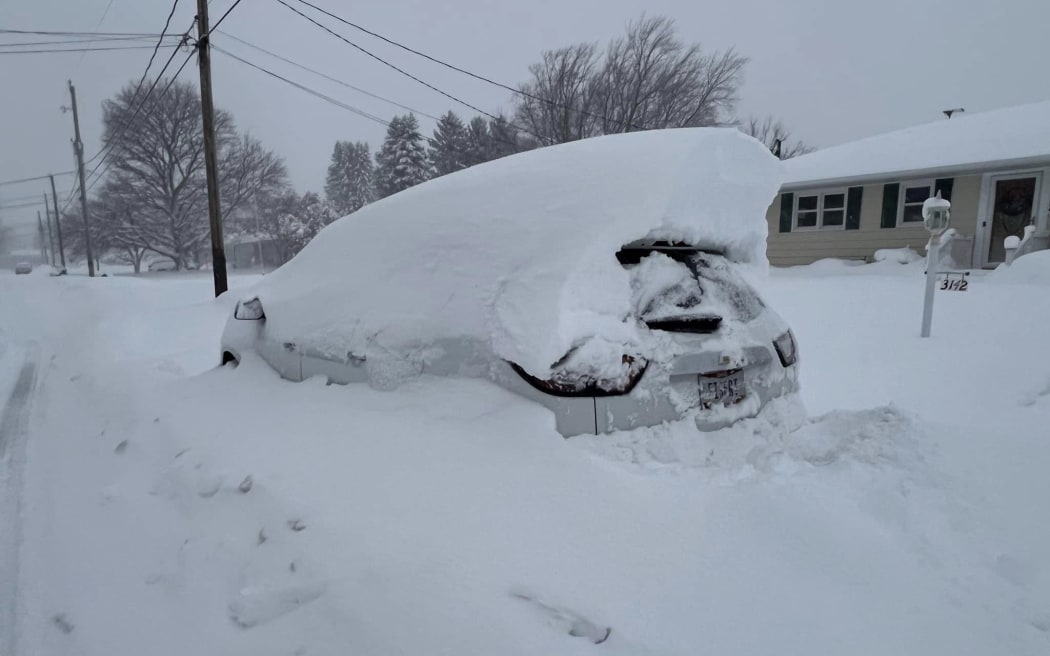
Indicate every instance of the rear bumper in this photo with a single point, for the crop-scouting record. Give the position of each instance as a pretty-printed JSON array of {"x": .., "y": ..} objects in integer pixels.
[{"x": 658, "y": 400}]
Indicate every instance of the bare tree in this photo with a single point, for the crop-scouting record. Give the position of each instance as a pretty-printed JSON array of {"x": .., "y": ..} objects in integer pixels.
[
  {"x": 775, "y": 135},
  {"x": 647, "y": 79},
  {"x": 652, "y": 80},
  {"x": 557, "y": 105},
  {"x": 157, "y": 170}
]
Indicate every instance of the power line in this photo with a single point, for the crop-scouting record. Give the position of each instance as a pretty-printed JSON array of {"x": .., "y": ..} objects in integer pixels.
[
  {"x": 56, "y": 50},
  {"x": 171, "y": 81},
  {"x": 20, "y": 205},
  {"x": 334, "y": 101},
  {"x": 19, "y": 199},
  {"x": 328, "y": 77},
  {"x": 312, "y": 92},
  {"x": 464, "y": 71},
  {"x": 34, "y": 178},
  {"x": 107, "y": 150},
  {"x": 84, "y": 34},
  {"x": 138, "y": 87},
  {"x": 222, "y": 18},
  {"x": 105, "y": 12},
  {"x": 79, "y": 41},
  {"x": 386, "y": 63},
  {"x": 160, "y": 40}
]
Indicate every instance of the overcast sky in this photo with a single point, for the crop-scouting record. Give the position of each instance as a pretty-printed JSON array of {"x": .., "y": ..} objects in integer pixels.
[{"x": 833, "y": 70}]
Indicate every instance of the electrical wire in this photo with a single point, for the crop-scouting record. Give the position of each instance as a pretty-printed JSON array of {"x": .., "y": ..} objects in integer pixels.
[
  {"x": 105, "y": 12},
  {"x": 83, "y": 34},
  {"x": 103, "y": 153},
  {"x": 328, "y": 77},
  {"x": 222, "y": 18},
  {"x": 171, "y": 81},
  {"x": 464, "y": 71},
  {"x": 34, "y": 178},
  {"x": 386, "y": 63},
  {"x": 160, "y": 39},
  {"x": 53, "y": 51},
  {"x": 333, "y": 101},
  {"x": 350, "y": 108},
  {"x": 79, "y": 41}
]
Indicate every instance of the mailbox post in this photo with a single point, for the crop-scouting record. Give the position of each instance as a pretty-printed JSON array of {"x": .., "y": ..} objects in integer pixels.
[{"x": 936, "y": 213}]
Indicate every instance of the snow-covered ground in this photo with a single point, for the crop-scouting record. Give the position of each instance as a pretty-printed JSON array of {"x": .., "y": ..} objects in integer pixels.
[{"x": 171, "y": 507}]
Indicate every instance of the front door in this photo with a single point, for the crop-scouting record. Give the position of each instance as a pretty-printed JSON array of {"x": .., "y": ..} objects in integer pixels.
[{"x": 1013, "y": 208}]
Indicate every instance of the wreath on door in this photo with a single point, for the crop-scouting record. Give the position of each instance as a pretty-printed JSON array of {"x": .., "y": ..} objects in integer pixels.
[{"x": 1011, "y": 210}]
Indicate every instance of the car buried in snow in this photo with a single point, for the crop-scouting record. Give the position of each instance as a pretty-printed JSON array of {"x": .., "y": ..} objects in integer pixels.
[{"x": 606, "y": 280}]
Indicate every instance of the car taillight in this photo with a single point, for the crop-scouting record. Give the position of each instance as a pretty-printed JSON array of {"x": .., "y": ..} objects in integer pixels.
[
  {"x": 787, "y": 349},
  {"x": 570, "y": 383}
]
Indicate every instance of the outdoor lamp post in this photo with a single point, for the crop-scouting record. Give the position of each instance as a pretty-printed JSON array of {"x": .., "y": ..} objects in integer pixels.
[{"x": 936, "y": 213}]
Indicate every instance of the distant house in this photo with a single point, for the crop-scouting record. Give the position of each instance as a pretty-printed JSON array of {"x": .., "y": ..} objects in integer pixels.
[
  {"x": 253, "y": 252},
  {"x": 850, "y": 200}
]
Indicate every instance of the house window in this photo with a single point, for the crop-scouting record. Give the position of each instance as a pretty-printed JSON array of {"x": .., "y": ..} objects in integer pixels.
[
  {"x": 913, "y": 195},
  {"x": 820, "y": 210}
]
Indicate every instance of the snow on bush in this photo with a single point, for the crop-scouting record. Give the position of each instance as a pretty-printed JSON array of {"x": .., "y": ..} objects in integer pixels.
[
  {"x": 1033, "y": 268},
  {"x": 519, "y": 253},
  {"x": 899, "y": 255}
]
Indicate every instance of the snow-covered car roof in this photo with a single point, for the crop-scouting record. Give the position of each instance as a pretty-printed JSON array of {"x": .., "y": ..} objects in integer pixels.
[
  {"x": 965, "y": 143},
  {"x": 520, "y": 252}
]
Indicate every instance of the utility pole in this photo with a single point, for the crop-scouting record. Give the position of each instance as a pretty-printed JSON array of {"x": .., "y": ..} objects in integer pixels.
[
  {"x": 78, "y": 148},
  {"x": 40, "y": 230},
  {"x": 58, "y": 225},
  {"x": 50, "y": 234},
  {"x": 211, "y": 165}
]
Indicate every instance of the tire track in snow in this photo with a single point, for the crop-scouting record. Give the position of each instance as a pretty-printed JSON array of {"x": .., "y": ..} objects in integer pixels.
[{"x": 13, "y": 434}]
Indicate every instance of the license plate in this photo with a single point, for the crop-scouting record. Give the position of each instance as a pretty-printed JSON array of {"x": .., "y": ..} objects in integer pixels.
[{"x": 721, "y": 391}]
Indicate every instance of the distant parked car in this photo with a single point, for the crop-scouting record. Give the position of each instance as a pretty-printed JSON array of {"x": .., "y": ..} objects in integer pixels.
[
  {"x": 162, "y": 265},
  {"x": 23, "y": 267}
]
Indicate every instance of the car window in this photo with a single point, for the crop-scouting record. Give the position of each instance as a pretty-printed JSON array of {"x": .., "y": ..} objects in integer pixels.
[{"x": 680, "y": 284}]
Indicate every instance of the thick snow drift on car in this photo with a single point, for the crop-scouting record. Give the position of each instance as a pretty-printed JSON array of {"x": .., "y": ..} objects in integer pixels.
[{"x": 519, "y": 254}]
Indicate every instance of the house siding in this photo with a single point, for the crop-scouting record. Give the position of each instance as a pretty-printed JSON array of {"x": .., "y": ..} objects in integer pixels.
[{"x": 805, "y": 247}]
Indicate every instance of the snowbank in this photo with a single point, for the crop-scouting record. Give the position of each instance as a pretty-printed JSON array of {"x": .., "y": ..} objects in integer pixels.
[
  {"x": 519, "y": 253},
  {"x": 1033, "y": 268},
  {"x": 899, "y": 255}
]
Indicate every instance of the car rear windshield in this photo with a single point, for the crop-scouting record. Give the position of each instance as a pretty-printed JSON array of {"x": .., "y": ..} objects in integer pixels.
[{"x": 687, "y": 289}]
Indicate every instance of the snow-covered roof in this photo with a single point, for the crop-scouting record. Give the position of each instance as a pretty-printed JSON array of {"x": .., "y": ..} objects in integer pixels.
[
  {"x": 965, "y": 143},
  {"x": 520, "y": 252}
]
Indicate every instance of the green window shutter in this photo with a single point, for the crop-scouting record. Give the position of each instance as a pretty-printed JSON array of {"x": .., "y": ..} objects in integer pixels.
[
  {"x": 944, "y": 185},
  {"x": 787, "y": 208},
  {"x": 853, "y": 197},
  {"x": 890, "y": 196}
]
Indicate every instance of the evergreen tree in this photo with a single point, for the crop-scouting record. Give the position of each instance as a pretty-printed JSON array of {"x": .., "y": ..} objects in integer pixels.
[
  {"x": 301, "y": 222},
  {"x": 448, "y": 148},
  {"x": 349, "y": 185},
  {"x": 402, "y": 161},
  {"x": 503, "y": 139},
  {"x": 479, "y": 144},
  {"x": 335, "y": 182}
]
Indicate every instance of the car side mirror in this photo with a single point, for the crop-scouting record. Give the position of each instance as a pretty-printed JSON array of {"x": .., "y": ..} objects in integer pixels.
[{"x": 249, "y": 310}]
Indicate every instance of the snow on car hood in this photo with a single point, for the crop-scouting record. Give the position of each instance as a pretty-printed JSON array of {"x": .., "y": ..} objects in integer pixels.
[{"x": 519, "y": 253}]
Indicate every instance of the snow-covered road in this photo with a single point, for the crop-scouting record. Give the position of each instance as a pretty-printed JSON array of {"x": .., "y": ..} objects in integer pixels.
[{"x": 171, "y": 507}]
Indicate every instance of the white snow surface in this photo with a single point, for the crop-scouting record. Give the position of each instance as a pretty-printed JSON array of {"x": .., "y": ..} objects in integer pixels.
[
  {"x": 172, "y": 507},
  {"x": 1013, "y": 133},
  {"x": 519, "y": 253}
]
